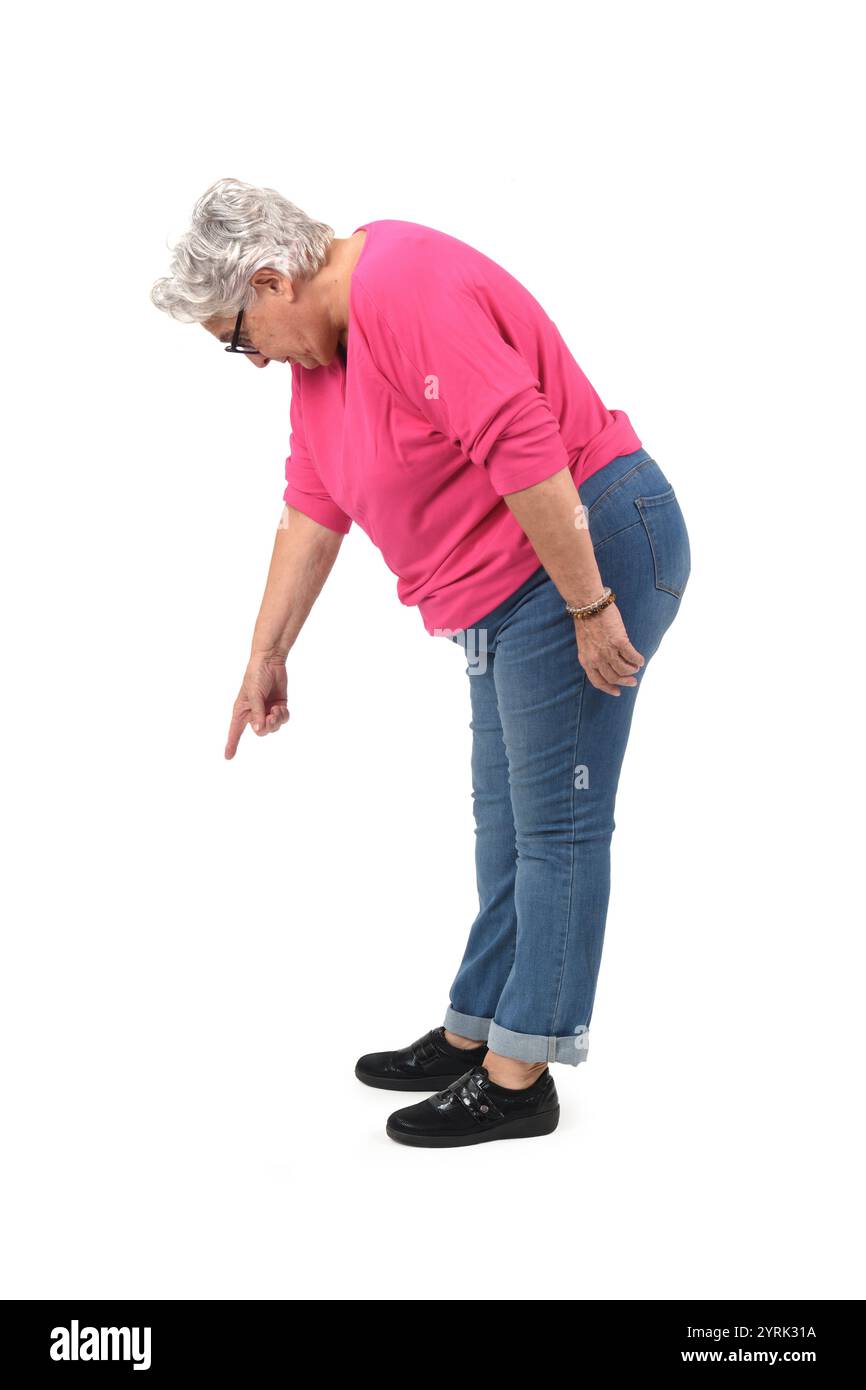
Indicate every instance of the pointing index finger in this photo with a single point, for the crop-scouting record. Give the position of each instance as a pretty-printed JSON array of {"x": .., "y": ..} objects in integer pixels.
[{"x": 236, "y": 728}]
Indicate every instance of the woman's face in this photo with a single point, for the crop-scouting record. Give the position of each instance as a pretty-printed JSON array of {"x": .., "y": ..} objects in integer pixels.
[{"x": 285, "y": 324}]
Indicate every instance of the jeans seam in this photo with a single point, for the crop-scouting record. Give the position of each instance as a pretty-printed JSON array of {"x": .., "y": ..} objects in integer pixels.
[
  {"x": 613, "y": 535},
  {"x": 510, "y": 964},
  {"x": 516, "y": 851},
  {"x": 573, "y": 837},
  {"x": 619, "y": 482}
]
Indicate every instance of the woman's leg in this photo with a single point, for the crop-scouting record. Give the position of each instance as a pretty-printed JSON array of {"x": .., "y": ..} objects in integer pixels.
[
  {"x": 565, "y": 742},
  {"x": 489, "y": 950}
]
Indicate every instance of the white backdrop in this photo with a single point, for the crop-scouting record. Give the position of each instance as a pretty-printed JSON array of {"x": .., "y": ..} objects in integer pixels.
[{"x": 196, "y": 951}]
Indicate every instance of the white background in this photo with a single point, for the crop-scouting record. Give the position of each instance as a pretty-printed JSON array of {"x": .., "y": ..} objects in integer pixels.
[{"x": 195, "y": 952}]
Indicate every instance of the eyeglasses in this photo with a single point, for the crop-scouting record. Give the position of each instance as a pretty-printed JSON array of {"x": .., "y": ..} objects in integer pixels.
[{"x": 233, "y": 346}]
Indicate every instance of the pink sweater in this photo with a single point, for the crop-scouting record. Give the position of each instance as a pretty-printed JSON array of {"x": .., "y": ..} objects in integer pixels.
[{"x": 456, "y": 389}]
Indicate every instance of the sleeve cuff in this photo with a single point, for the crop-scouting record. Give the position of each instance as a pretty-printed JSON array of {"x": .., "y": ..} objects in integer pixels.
[
  {"x": 325, "y": 513},
  {"x": 523, "y": 445},
  {"x": 518, "y": 463}
]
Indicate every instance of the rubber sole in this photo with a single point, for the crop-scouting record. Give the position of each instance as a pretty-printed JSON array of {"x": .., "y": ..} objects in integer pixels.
[
  {"x": 527, "y": 1128},
  {"x": 398, "y": 1083}
]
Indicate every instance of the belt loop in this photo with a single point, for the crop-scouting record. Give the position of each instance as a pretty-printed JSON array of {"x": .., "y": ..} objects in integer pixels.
[{"x": 551, "y": 1049}]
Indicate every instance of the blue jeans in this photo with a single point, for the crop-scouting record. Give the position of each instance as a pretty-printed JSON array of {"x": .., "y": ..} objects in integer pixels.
[{"x": 547, "y": 749}]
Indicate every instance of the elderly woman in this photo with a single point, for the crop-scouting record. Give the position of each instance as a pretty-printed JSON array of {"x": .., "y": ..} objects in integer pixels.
[{"x": 436, "y": 404}]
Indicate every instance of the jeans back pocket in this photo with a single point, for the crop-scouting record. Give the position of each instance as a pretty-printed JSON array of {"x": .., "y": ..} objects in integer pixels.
[{"x": 668, "y": 538}]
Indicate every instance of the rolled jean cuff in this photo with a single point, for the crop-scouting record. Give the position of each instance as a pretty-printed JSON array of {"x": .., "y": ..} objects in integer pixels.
[
  {"x": 571, "y": 1048},
  {"x": 466, "y": 1025}
]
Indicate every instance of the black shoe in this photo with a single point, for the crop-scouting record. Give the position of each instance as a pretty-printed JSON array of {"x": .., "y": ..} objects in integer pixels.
[
  {"x": 425, "y": 1065},
  {"x": 473, "y": 1109}
]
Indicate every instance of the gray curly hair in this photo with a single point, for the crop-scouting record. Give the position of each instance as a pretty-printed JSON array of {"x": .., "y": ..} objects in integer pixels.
[{"x": 236, "y": 229}]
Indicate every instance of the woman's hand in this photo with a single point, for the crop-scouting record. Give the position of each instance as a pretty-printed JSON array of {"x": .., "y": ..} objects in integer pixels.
[
  {"x": 261, "y": 701},
  {"x": 604, "y": 651}
]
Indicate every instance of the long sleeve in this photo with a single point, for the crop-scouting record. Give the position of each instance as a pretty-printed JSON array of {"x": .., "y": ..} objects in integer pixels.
[
  {"x": 441, "y": 348},
  {"x": 304, "y": 488}
]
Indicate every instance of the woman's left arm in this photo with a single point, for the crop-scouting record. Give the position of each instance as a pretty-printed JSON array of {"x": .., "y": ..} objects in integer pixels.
[{"x": 552, "y": 516}]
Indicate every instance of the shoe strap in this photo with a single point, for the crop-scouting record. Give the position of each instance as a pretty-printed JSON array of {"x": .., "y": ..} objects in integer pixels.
[
  {"x": 425, "y": 1050},
  {"x": 471, "y": 1093}
]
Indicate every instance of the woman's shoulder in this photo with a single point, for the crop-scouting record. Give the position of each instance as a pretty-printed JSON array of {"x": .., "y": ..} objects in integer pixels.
[
  {"x": 408, "y": 267},
  {"x": 398, "y": 252}
]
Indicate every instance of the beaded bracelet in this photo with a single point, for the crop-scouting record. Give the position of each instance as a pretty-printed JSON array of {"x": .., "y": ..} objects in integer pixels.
[{"x": 589, "y": 610}]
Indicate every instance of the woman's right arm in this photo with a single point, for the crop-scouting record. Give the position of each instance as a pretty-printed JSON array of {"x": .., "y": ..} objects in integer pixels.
[{"x": 303, "y": 556}]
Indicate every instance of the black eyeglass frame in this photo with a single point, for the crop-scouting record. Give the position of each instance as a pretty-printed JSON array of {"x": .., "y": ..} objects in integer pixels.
[{"x": 233, "y": 345}]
